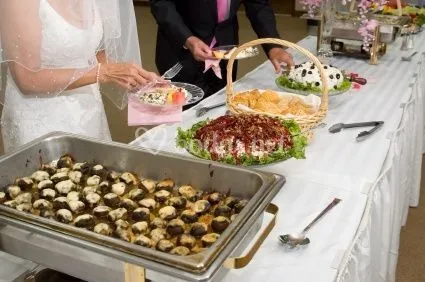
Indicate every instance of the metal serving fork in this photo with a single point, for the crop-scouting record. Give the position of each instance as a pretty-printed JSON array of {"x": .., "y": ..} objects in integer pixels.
[{"x": 173, "y": 71}]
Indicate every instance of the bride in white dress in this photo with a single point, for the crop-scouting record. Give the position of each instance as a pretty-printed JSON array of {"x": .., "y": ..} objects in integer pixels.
[
  {"x": 53, "y": 55},
  {"x": 57, "y": 52}
]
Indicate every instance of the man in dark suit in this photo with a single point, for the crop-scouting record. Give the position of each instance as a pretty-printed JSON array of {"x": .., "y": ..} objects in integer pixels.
[{"x": 186, "y": 29}]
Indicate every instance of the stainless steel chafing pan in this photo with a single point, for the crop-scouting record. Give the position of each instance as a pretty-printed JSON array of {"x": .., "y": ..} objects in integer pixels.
[{"x": 258, "y": 187}]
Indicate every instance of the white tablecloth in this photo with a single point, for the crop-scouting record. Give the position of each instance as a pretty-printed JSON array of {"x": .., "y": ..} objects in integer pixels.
[{"x": 358, "y": 243}]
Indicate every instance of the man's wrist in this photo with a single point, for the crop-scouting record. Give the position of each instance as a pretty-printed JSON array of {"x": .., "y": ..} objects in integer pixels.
[
  {"x": 272, "y": 48},
  {"x": 189, "y": 42}
]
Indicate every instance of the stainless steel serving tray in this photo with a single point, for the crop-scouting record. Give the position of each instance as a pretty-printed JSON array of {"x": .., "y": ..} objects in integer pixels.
[{"x": 256, "y": 186}]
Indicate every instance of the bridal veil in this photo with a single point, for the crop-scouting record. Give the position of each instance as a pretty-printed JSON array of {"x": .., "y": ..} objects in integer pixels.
[{"x": 21, "y": 42}]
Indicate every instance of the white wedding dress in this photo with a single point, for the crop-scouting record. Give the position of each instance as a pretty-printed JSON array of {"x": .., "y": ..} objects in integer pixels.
[{"x": 79, "y": 111}]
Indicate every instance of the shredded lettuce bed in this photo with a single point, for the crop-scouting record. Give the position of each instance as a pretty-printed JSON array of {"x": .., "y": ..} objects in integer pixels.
[
  {"x": 185, "y": 139},
  {"x": 285, "y": 82}
]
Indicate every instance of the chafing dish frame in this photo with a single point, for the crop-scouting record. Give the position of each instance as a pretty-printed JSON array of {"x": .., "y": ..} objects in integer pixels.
[{"x": 205, "y": 264}]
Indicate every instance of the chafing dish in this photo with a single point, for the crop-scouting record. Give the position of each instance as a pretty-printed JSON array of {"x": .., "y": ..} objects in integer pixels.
[
  {"x": 258, "y": 187},
  {"x": 345, "y": 39}
]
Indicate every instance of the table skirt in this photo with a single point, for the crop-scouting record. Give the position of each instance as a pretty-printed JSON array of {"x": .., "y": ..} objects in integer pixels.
[{"x": 374, "y": 251}]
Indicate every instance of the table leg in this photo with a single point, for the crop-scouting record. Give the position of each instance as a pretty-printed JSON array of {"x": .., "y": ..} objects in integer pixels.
[{"x": 134, "y": 273}]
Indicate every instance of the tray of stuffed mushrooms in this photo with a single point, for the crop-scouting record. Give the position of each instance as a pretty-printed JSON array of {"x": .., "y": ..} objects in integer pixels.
[{"x": 178, "y": 216}]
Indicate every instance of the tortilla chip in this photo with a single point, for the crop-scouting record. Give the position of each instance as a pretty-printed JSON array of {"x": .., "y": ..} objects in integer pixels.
[
  {"x": 270, "y": 96},
  {"x": 241, "y": 99},
  {"x": 268, "y": 107},
  {"x": 283, "y": 106},
  {"x": 271, "y": 102},
  {"x": 252, "y": 101}
]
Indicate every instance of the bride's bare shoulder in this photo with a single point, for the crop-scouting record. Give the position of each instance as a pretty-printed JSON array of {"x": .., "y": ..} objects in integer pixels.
[
  {"x": 13, "y": 7},
  {"x": 14, "y": 13}
]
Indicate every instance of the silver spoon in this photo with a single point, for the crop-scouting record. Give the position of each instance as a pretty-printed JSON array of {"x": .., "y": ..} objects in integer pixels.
[
  {"x": 203, "y": 110},
  {"x": 293, "y": 240}
]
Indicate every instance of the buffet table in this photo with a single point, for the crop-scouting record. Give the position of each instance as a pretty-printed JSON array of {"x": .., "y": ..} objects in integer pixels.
[{"x": 377, "y": 179}]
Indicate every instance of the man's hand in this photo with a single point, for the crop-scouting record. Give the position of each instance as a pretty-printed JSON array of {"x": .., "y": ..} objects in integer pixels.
[
  {"x": 199, "y": 49},
  {"x": 278, "y": 56}
]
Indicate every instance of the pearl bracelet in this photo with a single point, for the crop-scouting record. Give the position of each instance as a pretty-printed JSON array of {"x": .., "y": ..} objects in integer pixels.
[{"x": 98, "y": 73}]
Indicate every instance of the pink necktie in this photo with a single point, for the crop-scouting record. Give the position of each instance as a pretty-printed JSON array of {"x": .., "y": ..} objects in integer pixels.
[
  {"x": 222, "y": 13},
  {"x": 222, "y": 7}
]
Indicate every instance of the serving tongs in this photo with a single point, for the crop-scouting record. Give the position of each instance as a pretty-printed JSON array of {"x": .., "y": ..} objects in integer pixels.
[{"x": 362, "y": 135}]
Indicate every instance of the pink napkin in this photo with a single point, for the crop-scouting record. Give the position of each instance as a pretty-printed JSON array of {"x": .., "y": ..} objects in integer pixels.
[
  {"x": 213, "y": 64},
  {"x": 222, "y": 15},
  {"x": 145, "y": 114}
]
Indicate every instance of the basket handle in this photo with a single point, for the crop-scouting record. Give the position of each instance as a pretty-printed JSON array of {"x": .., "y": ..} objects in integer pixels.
[{"x": 229, "y": 87}]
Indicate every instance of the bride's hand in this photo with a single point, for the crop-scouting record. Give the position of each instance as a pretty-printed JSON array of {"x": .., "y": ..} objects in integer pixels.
[{"x": 129, "y": 76}]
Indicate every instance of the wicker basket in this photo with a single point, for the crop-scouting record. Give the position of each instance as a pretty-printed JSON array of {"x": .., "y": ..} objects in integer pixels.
[{"x": 306, "y": 122}]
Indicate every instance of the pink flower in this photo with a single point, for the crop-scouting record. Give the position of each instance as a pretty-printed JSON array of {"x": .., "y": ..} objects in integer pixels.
[
  {"x": 366, "y": 29},
  {"x": 367, "y": 26},
  {"x": 311, "y": 5}
]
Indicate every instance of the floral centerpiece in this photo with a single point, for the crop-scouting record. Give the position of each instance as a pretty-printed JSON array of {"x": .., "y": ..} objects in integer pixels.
[{"x": 364, "y": 8}]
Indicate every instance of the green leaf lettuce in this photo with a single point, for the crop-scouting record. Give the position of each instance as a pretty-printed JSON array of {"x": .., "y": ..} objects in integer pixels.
[{"x": 185, "y": 139}]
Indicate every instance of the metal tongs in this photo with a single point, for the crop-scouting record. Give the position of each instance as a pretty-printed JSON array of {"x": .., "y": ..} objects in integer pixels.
[{"x": 362, "y": 135}]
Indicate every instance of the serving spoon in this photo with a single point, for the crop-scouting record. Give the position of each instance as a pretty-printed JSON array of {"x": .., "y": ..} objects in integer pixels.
[
  {"x": 409, "y": 58},
  {"x": 293, "y": 240}
]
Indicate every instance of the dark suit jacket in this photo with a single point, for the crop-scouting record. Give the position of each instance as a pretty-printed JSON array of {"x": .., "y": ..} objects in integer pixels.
[{"x": 179, "y": 19}]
